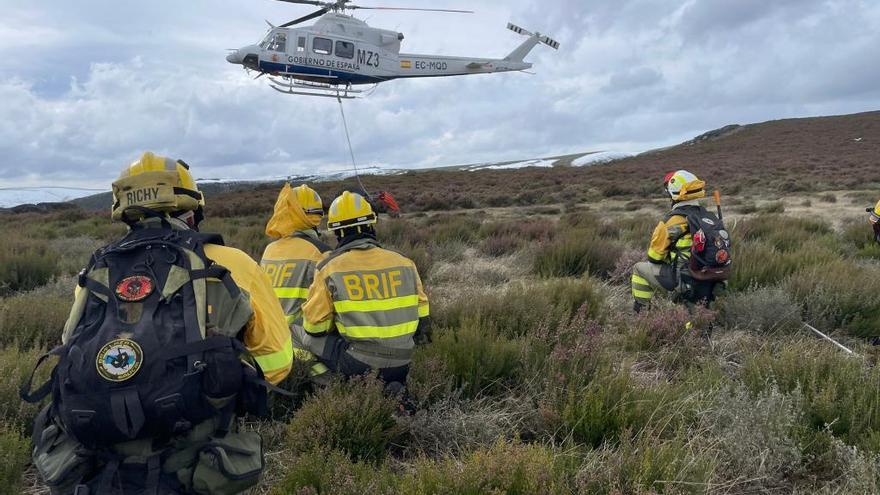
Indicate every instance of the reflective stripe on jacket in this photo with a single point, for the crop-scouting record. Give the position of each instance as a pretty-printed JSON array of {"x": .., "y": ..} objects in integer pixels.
[
  {"x": 372, "y": 296},
  {"x": 291, "y": 264},
  {"x": 267, "y": 336}
]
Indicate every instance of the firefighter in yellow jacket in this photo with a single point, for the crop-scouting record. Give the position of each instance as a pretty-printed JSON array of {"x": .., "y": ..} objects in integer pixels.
[
  {"x": 291, "y": 260},
  {"x": 874, "y": 218},
  {"x": 366, "y": 306},
  {"x": 670, "y": 243}
]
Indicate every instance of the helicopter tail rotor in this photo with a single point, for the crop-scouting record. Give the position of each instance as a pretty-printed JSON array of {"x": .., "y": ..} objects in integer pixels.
[
  {"x": 541, "y": 38},
  {"x": 528, "y": 45}
]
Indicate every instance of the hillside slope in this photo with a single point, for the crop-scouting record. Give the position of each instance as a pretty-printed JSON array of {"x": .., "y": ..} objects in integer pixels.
[{"x": 809, "y": 154}]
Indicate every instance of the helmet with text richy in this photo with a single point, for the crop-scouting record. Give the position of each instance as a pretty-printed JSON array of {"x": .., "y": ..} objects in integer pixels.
[{"x": 155, "y": 183}]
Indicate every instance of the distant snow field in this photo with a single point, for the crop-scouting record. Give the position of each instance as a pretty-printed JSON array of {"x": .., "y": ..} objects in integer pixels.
[
  {"x": 14, "y": 196},
  {"x": 601, "y": 157}
]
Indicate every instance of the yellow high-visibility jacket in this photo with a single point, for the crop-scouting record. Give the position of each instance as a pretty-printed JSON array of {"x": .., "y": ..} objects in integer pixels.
[
  {"x": 267, "y": 336},
  {"x": 373, "y": 297},
  {"x": 671, "y": 237},
  {"x": 291, "y": 263}
]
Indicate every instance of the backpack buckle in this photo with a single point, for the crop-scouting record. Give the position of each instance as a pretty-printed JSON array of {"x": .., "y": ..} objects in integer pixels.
[{"x": 198, "y": 368}]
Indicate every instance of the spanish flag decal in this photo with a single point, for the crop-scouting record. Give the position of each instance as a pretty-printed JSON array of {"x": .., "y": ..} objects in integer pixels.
[{"x": 406, "y": 64}]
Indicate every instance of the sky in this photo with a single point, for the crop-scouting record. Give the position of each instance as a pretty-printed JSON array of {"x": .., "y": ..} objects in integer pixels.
[{"x": 87, "y": 86}]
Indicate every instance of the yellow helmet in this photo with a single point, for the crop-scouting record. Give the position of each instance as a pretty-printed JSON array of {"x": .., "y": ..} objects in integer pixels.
[
  {"x": 684, "y": 186},
  {"x": 157, "y": 183},
  {"x": 296, "y": 209},
  {"x": 350, "y": 210},
  {"x": 310, "y": 201}
]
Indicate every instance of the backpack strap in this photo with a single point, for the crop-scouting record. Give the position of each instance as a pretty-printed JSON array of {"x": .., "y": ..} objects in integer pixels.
[
  {"x": 319, "y": 245},
  {"x": 41, "y": 393},
  {"x": 221, "y": 273}
]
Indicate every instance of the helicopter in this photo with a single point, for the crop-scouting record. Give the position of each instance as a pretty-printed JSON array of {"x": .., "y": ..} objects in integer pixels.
[{"x": 339, "y": 52}]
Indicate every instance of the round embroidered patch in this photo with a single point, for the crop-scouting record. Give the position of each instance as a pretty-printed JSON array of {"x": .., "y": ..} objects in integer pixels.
[
  {"x": 119, "y": 360},
  {"x": 133, "y": 289}
]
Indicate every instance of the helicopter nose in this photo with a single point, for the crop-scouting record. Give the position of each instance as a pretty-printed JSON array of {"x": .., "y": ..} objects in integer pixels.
[{"x": 234, "y": 57}]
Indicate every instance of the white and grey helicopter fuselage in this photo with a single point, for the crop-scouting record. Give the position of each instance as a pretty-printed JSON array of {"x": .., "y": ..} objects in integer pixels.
[{"x": 340, "y": 51}]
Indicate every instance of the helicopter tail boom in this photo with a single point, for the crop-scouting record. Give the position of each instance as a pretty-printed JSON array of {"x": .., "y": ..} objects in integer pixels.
[{"x": 528, "y": 45}]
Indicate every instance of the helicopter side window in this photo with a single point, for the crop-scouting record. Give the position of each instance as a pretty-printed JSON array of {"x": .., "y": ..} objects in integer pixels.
[
  {"x": 301, "y": 44},
  {"x": 278, "y": 43},
  {"x": 344, "y": 49},
  {"x": 322, "y": 46}
]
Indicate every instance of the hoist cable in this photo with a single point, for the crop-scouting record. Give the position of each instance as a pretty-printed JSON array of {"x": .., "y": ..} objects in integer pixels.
[{"x": 350, "y": 147}]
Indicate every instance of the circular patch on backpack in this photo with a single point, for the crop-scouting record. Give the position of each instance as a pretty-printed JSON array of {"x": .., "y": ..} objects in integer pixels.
[
  {"x": 133, "y": 289},
  {"x": 119, "y": 360}
]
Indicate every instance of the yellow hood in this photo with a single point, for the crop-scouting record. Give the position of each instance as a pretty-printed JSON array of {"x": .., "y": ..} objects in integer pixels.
[{"x": 289, "y": 216}]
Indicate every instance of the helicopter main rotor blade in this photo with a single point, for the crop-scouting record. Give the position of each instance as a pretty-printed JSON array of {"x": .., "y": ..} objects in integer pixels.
[
  {"x": 353, "y": 7},
  {"x": 317, "y": 13},
  {"x": 306, "y": 2}
]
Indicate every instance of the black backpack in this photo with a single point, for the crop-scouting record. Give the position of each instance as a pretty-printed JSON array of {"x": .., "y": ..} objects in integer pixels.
[
  {"x": 141, "y": 360},
  {"x": 710, "y": 257}
]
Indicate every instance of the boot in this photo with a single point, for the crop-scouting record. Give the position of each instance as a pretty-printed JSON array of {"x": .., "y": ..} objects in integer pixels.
[{"x": 637, "y": 307}]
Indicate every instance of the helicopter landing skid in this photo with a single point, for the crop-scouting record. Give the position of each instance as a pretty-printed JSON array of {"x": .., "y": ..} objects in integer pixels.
[{"x": 289, "y": 85}]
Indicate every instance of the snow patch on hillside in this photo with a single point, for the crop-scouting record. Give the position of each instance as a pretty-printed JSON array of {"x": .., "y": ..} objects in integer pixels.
[
  {"x": 14, "y": 196},
  {"x": 601, "y": 157}
]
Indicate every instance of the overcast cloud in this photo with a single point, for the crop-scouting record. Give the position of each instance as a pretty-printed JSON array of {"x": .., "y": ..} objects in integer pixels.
[{"x": 85, "y": 86}]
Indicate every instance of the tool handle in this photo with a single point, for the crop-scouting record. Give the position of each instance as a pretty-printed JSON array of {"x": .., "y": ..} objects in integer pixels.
[{"x": 717, "y": 196}]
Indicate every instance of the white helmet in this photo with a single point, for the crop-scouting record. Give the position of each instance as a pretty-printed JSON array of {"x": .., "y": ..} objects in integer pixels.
[{"x": 683, "y": 186}]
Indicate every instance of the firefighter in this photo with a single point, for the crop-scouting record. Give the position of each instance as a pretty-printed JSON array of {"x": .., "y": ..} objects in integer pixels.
[
  {"x": 671, "y": 242},
  {"x": 874, "y": 218},
  {"x": 291, "y": 260},
  {"x": 153, "y": 361},
  {"x": 366, "y": 306}
]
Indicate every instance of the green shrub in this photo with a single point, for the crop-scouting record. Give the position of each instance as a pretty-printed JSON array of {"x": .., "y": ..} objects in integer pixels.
[
  {"x": 447, "y": 228},
  {"x": 34, "y": 319},
  {"x": 15, "y": 454},
  {"x": 858, "y": 236},
  {"x": 25, "y": 264},
  {"x": 505, "y": 468},
  {"x": 756, "y": 264},
  {"x": 838, "y": 392},
  {"x": 521, "y": 308},
  {"x": 354, "y": 417},
  {"x": 840, "y": 294},
  {"x": 501, "y": 245},
  {"x": 773, "y": 207},
  {"x": 599, "y": 411},
  {"x": 575, "y": 253},
  {"x": 648, "y": 464},
  {"x": 478, "y": 360},
  {"x": 768, "y": 310},
  {"x": 787, "y": 234}
]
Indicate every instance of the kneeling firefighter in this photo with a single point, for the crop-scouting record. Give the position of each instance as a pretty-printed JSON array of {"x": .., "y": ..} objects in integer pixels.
[
  {"x": 172, "y": 336},
  {"x": 689, "y": 253},
  {"x": 292, "y": 260},
  {"x": 366, "y": 306}
]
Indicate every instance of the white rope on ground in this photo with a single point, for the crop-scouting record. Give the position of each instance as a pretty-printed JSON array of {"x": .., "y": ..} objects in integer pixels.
[
  {"x": 829, "y": 339},
  {"x": 350, "y": 148}
]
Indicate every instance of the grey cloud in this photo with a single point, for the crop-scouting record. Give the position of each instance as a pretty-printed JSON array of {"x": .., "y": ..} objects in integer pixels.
[{"x": 100, "y": 85}]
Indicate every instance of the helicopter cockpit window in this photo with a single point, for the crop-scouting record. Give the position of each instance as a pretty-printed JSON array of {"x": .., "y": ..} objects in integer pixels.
[
  {"x": 322, "y": 46},
  {"x": 301, "y": 44},
  {"x": 277, "y": 43},
  {"x": 344, "y": 49}
]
